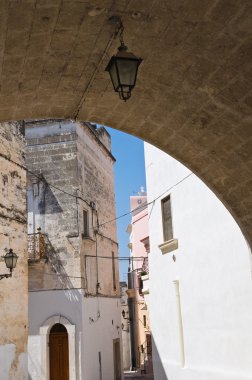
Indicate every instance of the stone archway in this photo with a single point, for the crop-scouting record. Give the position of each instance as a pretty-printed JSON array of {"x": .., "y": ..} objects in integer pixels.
[{"x": 193, "y": 95}]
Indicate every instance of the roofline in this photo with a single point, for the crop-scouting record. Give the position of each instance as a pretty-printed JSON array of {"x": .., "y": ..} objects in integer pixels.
[
  {"x": 30, "y": 123},
  {"x": 89, "y": 126}
]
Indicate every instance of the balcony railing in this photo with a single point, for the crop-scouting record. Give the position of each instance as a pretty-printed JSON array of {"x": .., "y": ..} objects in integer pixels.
[
  {"x": 145, "y": 267},
  {"x": 36, "y": 246}
]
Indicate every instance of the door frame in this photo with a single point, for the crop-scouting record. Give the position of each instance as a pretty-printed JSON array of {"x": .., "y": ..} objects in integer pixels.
[
  {"x": 115, "y": 343},
  {"x": 44, "y": 332}
]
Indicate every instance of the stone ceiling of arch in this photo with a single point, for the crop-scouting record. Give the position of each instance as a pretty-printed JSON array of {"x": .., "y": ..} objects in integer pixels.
[{"x": 193, "y": 97}]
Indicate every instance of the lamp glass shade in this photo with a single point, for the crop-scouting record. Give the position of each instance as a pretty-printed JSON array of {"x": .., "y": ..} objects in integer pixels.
[
  {"x": 10, "y": 259},
  {"x": 123, "y": 68},
  {"x": 114, "y": 73},
  {"x": 127, "y": 71}
]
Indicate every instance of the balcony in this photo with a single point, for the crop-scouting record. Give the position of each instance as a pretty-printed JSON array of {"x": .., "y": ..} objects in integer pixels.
[
  {"x": 145, "y": 267},
  {"x": 36, "y": 247}
]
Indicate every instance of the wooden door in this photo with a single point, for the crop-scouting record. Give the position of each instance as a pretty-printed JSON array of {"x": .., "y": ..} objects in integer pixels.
[
  {"x": 117, "y": 360},
  {"x": 59, "y": 353},
  {"x": 149, "y": 345}
]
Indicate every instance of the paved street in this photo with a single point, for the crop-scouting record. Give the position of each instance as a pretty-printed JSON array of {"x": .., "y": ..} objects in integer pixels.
[{"x": 136, "y": 375}]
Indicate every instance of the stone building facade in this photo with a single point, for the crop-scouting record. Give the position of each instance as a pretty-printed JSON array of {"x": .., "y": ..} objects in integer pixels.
[
  {"x": 73, "y": 266},
  {"x": 140, "y": 331},
  {"x": 13, "y": 291}
]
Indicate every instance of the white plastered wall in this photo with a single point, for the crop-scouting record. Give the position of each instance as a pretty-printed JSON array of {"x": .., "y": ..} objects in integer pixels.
[
  {"x": 45, "y": 309},
  {"x": 92, "y": 324},
  {"x": 101, "y": 325},
  {"x": 212, "y": 267}
]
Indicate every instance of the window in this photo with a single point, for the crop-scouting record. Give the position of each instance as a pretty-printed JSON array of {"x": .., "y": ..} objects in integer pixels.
[
  {"x": 85, "y": 224},
  {"x": 149, "y": 345},
  {"x": 113, "y": 271},
  {"x": 144, "y": 321},
  {"x": 140, "y": 285},
  {"x": 167, "y": 218}
]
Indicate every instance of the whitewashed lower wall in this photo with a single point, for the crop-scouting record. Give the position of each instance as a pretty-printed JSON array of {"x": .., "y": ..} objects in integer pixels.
[
  {"x": 95, "y": 331},
  {"x": 212, "y": 265},
  {"x": 98, "y": 335}
]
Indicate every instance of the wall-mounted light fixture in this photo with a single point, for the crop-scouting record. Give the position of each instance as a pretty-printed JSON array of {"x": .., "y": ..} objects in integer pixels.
[
  {"x": 124, "y": 315},
  {"x": 10, "y": 261},
  {"x": 123, "y": 68}
]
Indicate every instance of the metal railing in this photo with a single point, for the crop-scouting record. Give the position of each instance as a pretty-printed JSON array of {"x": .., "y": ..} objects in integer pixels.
[{"x": 36, "y": 246}]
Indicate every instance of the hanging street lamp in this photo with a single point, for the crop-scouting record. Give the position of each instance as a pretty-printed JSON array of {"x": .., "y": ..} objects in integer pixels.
[
  {"x": 10, "y": 261},
  {"x": 123, "y": 68}
]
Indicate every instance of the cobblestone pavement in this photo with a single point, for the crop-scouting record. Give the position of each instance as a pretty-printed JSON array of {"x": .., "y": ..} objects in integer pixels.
[{"x": 137, "y": 376}]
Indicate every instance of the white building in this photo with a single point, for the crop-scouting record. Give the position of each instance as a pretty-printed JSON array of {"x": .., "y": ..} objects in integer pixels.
[
  {"x": 200, "y": 279},
  {"x": 74, "y": 295}
]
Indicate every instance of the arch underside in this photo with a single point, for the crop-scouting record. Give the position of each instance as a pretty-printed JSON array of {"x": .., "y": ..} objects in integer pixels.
[{"x": 193, "y": 96}]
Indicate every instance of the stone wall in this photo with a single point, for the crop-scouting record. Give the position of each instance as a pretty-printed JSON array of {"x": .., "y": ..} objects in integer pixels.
[
  {"x": 51, "y": 157},
  {"x": 95, "y": 167},
  {"x": 13, "y": 291}
]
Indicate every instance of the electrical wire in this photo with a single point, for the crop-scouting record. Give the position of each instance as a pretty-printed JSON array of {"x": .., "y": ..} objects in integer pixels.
[
  {"x": 39, "y": 176},
  {"x": 122, "y": 258},
  {"x": 58, "y": 274},
  {"x": 84, "y": 200},
  {"x": 54, "y": 289},
  {"x": 146, "y": 204},
  {"x": 99, "y": 257}
]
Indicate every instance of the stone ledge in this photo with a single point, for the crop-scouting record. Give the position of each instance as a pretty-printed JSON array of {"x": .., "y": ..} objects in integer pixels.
[
  {"x": 87, "y": 238},
  {"x": 145, "y": 277},
  {"x": 168, "y": 246}
]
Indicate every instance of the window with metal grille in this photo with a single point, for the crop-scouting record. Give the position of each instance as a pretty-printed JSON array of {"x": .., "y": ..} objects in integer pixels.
[{"x": 167, "y": 218}]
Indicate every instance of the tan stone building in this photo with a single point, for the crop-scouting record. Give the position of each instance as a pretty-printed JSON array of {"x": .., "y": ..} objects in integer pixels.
[
  {"x": 74, "y": 295},
  {"x": 13, "y": 291}
]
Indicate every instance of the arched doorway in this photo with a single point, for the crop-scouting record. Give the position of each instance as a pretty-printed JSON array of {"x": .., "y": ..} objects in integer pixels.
[{"x": 58, "y": 353}]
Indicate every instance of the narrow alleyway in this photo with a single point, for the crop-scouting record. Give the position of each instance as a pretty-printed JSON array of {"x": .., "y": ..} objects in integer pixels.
[{"x": 135, "y": 375}]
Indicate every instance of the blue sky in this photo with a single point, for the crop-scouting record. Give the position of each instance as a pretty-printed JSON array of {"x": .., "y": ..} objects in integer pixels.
[{"x": 129, "y": 172}]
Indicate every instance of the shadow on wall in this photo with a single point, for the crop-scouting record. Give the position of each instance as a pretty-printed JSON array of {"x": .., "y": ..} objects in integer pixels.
[
  {"x": 55, "y": 261},
  {"x": 52, "y": 205},
  {"x": 47, "y": 269},
  {"x": 158, "y": 368}
]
